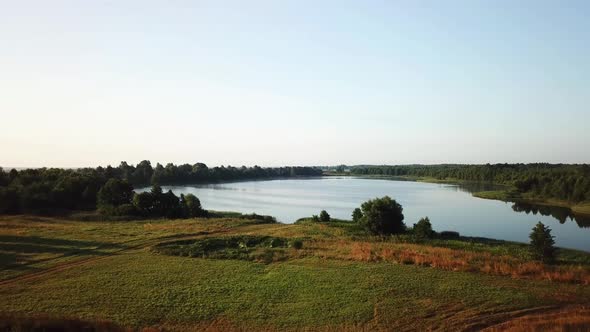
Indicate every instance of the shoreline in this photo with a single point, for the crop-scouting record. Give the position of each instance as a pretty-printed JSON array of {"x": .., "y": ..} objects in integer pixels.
[
  {"x": 507, "y": 195},
  {"x": 581, "y": 209}
]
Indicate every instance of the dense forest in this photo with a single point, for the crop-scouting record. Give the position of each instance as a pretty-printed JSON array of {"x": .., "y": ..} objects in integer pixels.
[
  {"x": 557, "y": 181},
  {"x": 48, "y": 190}
]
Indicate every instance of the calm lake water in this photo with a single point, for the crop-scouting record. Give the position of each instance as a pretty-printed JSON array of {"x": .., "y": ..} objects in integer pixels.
[{"x": 449, "y": 207}]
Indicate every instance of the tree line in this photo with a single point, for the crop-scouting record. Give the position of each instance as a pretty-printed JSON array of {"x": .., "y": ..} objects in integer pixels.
[
  {"x": 559, "y": 181},
  {"x": 53, "y": 190}
]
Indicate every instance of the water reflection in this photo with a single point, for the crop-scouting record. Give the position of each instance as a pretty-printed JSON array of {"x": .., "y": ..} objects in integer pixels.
[
  {"x": 562, "y": 214},
  {"x": 474, "y": 187}
]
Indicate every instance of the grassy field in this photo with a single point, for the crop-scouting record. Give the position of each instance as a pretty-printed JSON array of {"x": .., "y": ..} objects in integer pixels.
[{"x": 341, "y": 279}]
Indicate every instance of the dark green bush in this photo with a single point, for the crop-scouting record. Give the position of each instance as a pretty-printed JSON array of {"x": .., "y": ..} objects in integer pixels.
[
  {"x": 260, "y": 248},
  {"x": 324, "y": 216},
  {"x": 297, "y": 244},
  {"x": 449, "y": 234},
  {"x": 357, "y": 214},
  {"x": 382, "y": 216},
  {"x": 126, "y": 210},
  {"x": 263, "y": 218},
  {"x": 423, "y": 229}
]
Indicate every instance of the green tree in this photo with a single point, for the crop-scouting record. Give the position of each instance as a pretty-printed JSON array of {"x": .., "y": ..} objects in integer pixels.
[
  {"x": 9, "y": 201},
  {"x": 324, "y": 216},
  {"x": 542, "y": 243},
  {"x": 13, "y": 174},
  {"x": 383, "y": 216},
  {"x": 156, "y": 190},
  {"x": 191, "y": 206},
  {"x": 144, "y": 203},
  {"x": 157, "y": 197},
  {"x": 170, "y": 205},
  {"x": 114, "y": 193},
  {"x": 4, "y": 180},
  {"x": 164, "y": 204},
  {"x": 36, "y": 198},
  {"x": 357, "y": 214},
  {"x": 423, "y": 229},
  {"x": 143, "y": 172}
]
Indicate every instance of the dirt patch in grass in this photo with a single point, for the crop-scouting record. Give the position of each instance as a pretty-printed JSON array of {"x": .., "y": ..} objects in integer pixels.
[
  {"x": 576, "y": 318},
  {"x": 62, "y": 324}
]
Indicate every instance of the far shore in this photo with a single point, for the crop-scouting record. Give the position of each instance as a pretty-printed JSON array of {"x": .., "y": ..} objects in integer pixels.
[{"x": 506, "y": 195}]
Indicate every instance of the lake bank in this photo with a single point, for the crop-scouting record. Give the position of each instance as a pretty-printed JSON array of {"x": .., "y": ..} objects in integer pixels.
[
  {"x": 582, "y": 209},
  {"x": 506, "y": 195},
  {"x": 449, "y": 206}
]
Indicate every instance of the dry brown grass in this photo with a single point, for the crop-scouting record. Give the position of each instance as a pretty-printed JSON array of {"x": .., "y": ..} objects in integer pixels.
[
  {"x": 446, "y": 259},
  {"x": 569, "y": 319},
  {"x": 219, "y": 324}
]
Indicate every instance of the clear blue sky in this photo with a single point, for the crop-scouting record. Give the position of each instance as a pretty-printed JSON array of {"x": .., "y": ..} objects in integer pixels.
[{"x": 86, "y": 83}]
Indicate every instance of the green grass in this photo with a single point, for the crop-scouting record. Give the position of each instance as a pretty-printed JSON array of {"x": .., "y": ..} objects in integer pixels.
[
  {"x": 144, "y": 289},
  {"x": 31, "y": 244},
  {"x": 317, "y": 287},
  {"x": 582, "y": 208}
]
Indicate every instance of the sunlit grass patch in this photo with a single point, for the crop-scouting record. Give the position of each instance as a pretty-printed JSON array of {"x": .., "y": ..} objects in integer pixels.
[{"x": 142, "y": 289}]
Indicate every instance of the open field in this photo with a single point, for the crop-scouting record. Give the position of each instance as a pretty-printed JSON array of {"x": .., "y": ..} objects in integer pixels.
[{"x": 115, "y": 273}]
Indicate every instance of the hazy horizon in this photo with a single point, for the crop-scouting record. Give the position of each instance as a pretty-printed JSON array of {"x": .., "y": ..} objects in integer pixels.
[
  {"x": 154, "y": 163},
  {"x": 294, "y": 83}
]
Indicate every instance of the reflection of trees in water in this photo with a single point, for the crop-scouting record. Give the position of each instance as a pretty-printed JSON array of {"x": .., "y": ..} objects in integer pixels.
[
  {"x": 474, "y": 187},
  {"x": 557, "y": 212}
]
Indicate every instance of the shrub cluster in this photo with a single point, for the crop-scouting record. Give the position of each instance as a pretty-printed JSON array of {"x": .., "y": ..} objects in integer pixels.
[
  {"x": 117, "y": 198},
  {"x": 381, "y": 216},
  {"x": 259, "y": 248},
  {"x": 322, "y": 217},
  {"x": 423, "y": 229}
]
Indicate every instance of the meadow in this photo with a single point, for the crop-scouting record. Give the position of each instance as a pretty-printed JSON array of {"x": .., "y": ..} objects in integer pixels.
[{"x": 117, "y": 275}]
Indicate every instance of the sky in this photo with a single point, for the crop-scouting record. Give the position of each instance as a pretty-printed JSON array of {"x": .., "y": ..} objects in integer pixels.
[{"x": 272, "y": 83}]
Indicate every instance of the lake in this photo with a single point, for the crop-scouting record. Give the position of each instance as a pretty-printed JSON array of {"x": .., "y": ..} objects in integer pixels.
[{"x": 449, "y": 207}]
